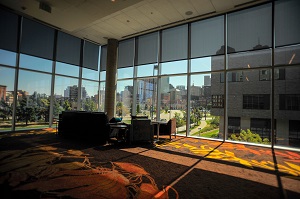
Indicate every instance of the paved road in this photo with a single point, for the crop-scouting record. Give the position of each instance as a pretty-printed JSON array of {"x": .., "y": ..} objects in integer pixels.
[{"x": 202, "y": 125}]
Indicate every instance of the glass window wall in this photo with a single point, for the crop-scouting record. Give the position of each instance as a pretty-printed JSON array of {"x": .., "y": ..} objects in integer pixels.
[
  {"x": 173, "y": 102},
  {"x": 90, "y": 74},
  {"x": 102, "y": 96},
  {"x": 174, "y": 67},
  {"x": 287, "y": 108},
  {"x": 8, "y": 58},
  {"x": 205, "y": 117},
  {"x": 89, "y": 95},
  {"x": 124, "y": 99},
  {"x": 125, "y": 72},
  {"x": 250, "y": 101},
  {"x": 147, "y": 70},
  {"x": 35, "y": 63},
  {"x": 146, "y": 97},
  {"x": 207, "y": 64},
  {"x": 250, "y": 29},
  {"x": 7, "y": 79},
  {"x": 67, "y": 69},
  {"x": 33, "y": 100},
  {"x": 207, "y": 37},
  {"x": 65, "y": 94}
]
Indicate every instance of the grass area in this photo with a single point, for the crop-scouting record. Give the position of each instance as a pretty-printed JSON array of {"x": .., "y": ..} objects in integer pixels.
[
  {"x": 210, "y": 134},
  {"x": 127, "y": 121},
  {"x": 24, "y": 127}
]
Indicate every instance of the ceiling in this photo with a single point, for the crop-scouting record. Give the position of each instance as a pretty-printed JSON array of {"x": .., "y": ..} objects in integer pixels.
[{"x": 98, "y": 20}]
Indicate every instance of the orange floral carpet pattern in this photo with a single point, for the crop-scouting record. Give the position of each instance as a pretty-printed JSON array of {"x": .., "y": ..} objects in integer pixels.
[
  {"x": 287, "y": 162},
  {"x": 39, "y": 164},
  {"x": 71, "y": 174}
]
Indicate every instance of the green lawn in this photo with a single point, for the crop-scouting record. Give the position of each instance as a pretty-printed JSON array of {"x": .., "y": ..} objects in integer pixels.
[{"x": 211, "y": 134}]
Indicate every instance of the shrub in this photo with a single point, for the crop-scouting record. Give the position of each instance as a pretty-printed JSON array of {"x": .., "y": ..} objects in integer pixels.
[{"x": 248, "y": 136}]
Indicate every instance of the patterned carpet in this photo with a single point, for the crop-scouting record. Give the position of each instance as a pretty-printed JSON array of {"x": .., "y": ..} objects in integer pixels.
[{"x": 40, "y": 164}]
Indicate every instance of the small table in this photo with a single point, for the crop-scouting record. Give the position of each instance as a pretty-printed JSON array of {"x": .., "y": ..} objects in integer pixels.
[
  {"x": 118, "y": 127},
  {"x": 158, "y": 124}
]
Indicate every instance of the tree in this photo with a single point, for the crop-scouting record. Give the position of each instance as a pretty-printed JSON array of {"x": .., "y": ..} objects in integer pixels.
[
  {"x": 5, "y": 109},
  {"x": 89, "y": 105},
  {"x": 179, "y": 120},
  {"x": 67, "y": 105},
  {"x": 166, "y": 109},
  {"x": 196, "y": 115},
  {"x": 138, "y": 110},
  {"x": 215, "y": 122},
  {"x": 56, "y": 108},
  {"x": 119, "y": 108},
  {"x": 248, "y": 136}
]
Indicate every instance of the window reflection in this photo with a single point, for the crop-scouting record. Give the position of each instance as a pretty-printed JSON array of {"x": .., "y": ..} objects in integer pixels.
[
  {"x": 90, "y": 74},
  {"x": 174, "y": 67},
  {"x": 147, "y": 70},
  {"x": 252, "y": 59},
  {"x": 7, "y": 58},
  {"x": 249, "y": 101},
  {"x": 103, "y": 75},
  {"x": 125, "y": 72},
  {"x": 35, "y": 63},
  {"x": 287, "y": 108},
  {"x": 67, "y": 69}
]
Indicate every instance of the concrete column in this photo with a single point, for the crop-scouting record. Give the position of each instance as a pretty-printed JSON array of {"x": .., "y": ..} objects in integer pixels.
[{"x": 111, "y": 77}]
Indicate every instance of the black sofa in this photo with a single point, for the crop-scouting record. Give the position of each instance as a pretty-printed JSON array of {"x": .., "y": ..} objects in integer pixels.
[{"x": 92, "y": 126}]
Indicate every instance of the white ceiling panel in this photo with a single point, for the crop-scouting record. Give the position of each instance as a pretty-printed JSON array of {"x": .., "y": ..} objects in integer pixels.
[
  {"x": 182, "y": 7},
  {"x": 167, "y": 10},
  {"x": 203, "y": 6},
  {"x": 153, "y": 15},
  {"x": 221, "y": 5},
  {"x": 130, "y": 22},
  {"x": 143, "y": 19}
]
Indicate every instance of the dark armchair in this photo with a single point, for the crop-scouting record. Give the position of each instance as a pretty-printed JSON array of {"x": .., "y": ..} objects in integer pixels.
[
  {"x": 167, "y": 129},
  {"x": 140, "y": 130}
]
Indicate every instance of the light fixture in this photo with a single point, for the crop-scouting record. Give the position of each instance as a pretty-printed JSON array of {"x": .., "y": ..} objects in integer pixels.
[
  {"x": 189, "y": 12},
  {"x": 44, "y": 6}
]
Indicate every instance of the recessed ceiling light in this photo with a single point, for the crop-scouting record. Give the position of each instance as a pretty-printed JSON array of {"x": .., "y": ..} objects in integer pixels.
[{"x": 188, "y": 12}]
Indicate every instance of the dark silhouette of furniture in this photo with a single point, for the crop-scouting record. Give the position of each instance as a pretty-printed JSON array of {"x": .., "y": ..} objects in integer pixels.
[
  {"x": 92, "y": 126},
  {"x": 139, "y": 117},
  {"x": 156, "y": 125},
  {"x": 118, "y": 130},
  {"x": 166, "y": 129},
  {"x": 140, "y": 130}
]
